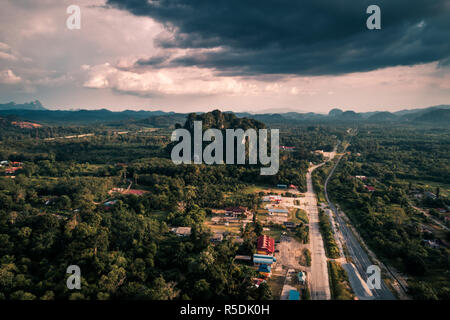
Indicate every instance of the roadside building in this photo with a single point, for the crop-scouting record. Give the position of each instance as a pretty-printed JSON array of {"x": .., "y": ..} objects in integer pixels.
[
  {"x": 237, "y": 211},
  {"x": 51, "y": 201},
  {"x": 429, "y": 194},
  {"x": 272, "y": 198},
  {"x": 301, "y": 277},
  {"x": 242, "y": 258},
  {"x": 257, "y": 282},
  {"x": 108, "y": 204},
  {"x": 294, "y": 295},
  {"x": 289, "y": 224},
  {"x": 265, "y": 245},
  {"x": 259, "y": 259},
  {"x": 432, "y": 244},
  {"x": 265, "y": 270},
  {"x": 12, "y": 170},
  {"x": 278, "y": 211},
  {"x": 418, "y": 195},
  {"x": 216, "y": 220}
]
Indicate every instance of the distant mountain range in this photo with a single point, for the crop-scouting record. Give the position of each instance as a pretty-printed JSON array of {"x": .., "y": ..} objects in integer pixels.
[
  {"x": 33, "y": 105},
  {"x": 35, "y": 111},
  {"x": 436, "y": 114}
]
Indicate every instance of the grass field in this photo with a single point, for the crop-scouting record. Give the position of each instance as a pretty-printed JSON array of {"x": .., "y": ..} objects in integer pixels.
[
  {"x": 276, "y": 286},
  {"x": 234, "y": 228},
  {"x": 301, "y": 215},
  {"x": 431, "y": 186}
]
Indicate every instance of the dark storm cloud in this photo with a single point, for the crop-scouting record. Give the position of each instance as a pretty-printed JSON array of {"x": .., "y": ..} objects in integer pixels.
[{"x": 312, "y": 37}]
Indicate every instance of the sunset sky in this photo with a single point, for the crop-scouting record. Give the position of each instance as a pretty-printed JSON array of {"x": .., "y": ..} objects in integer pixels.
[{"x": 238, "y": 55}]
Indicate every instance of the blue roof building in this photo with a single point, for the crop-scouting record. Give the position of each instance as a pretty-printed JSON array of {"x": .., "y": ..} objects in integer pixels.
[
  {"x": 263, "y": 259},
  {"x": 278, "y": 210},
  {"x": 264, "y": 268},
  {"x": 294, "y": 295}
]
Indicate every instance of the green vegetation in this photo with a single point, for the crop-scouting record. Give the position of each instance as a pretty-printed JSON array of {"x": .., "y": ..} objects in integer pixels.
[
  {"x": 307, "y": 257},
  {"x": 319, "y": 177},
  {"x": 331, "y": 248},
  {"x": 276, "y": 284},
  {"x": 302, "y": 232},
  {"x": 339, "y": 285},
  {"x": 52, "y": 214},
  {"x": 301, "y": 215},
  {"x": 306, "y": 295},
  {"x": 395, "y": 161}
]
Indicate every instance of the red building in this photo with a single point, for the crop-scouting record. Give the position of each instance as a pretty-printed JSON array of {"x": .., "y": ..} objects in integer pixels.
[
  {"x": 266, "y": 245},
  {"x": 12, "y": 170}
]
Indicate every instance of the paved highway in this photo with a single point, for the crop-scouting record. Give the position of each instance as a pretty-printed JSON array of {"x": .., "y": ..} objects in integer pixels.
[
  {"x": 358, "y": 255},
  {"x": 318, "y": 277}
]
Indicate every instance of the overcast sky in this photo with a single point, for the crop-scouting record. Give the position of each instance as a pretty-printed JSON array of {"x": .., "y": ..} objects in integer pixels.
[{"x": 239, "y": 55}]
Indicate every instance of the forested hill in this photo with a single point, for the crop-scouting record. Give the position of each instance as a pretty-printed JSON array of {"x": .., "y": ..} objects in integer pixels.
[
  {"x": 33, "y": 105},
  {"x": 438, "y": 115},
  {"x": 222, "y": 120},
  {"x": 34, "y": 112}
]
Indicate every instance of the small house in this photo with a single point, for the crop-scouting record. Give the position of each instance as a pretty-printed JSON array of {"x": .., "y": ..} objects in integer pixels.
[
  {"x": 182, "y": 231},
  {"x": 271, "y": 198},
  {"x": 301, "y": 277},
  {"x": 242, "y": 257},
  {"x": 289, "y": 225},
  {"x": 265, "y": 270},
  {"x": 217, "y": 237},
  {"x": 257, "y": 282},
  {"x": 432, "y": 244},
  {"x": 216, "y": 220},
  {"x": 278, "y": 211},
  {"x": 237, "y": 211},
  {"x": 429, "y": 194}
]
